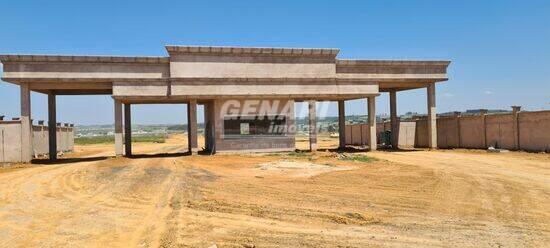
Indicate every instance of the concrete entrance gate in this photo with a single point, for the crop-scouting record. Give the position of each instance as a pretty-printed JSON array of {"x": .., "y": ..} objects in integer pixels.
[{"x": 214, "y": 76}]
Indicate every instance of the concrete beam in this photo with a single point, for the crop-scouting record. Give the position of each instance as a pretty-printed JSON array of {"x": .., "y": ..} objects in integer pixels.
[
  {"x": 84, "y": 86},
  {"x": 75, "y": 92},
  {"x": 256, "y": 65},
  {"x": 342, "y": 124},
  {"x": 128, "y": 129},
  {"x": 52, "y": 127},
  {"x": 432, "y": 118},
  {"x": 393, "y": 70},
  {"x": 45, "y": 68},
  {"x": 372, "y": 122},
  {"x": 393, "y": 119},
  {"x": 26, "y": 125},
  {"x": 401, "y": 85},
  {"x": 205, "y": 98},
  {"x": 192, "y": 127},
  {"x": 244, "y": 87},
  {"x": 119, "y": 151},
  {"x": 312, "y": 125}
]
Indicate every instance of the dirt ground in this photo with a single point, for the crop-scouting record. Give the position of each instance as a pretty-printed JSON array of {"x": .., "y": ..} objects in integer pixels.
[{"x": 408, "y": 198}]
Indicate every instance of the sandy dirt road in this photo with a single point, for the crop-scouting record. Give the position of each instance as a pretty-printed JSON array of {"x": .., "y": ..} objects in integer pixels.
[{"x": 420, "y": 198}]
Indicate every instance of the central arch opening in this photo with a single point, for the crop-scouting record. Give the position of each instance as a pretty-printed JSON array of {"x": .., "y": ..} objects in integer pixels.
[{"x": 162, "y": 130}]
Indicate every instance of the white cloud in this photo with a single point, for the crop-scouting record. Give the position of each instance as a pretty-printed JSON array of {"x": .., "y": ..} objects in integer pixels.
[
  {"x": 488, "y": 92},
  {"x": 448, "y": 94}
]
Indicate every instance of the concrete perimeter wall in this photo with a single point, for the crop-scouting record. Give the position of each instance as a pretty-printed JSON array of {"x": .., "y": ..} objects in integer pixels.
[
  {"x": 10, "y": 140},
  {"x": 357, "y": 135},
  {"x": 472, "y": 132},
  {"x": 528, "y": 131},
  {"x": 407, "y": 133},
  {"x": 534, "y": 131},
  {"x": 499, "y": 131}
]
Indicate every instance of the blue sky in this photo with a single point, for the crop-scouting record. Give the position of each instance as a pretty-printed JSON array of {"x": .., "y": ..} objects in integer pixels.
[{"x": 500, "y": 50}]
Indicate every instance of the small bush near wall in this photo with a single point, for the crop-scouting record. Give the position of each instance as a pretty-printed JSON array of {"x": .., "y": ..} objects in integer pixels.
[{"x": 358, "y": 158}]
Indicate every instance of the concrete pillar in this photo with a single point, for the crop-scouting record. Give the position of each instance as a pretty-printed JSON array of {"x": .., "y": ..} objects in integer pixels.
[
  {"x": 209, "y": 121},
  {"x": 291, "y": 121},
  {"x": 393, "y": 120},
  {"x": 128, "y": 129},
  {"x": 213, "y": 125},
  {"x": 52, "y": 129},
  {"x": 312, "y": 125},
  {"x": 119, "y": 150},
  {"x": 342, "y": 124},
  {"x": 216, "y": 121},
  {"x": 372, "y": 122},
  {"x": 457, "y": 117},
  {"x": 192, "y": 127},
  {"x": 26, "y": 125},
  {"x": 483, "y": 114},
  {"x": 432, "y": 118},
  {"x": 515, "y": 125},
  {"x": 207, "y": 126}
]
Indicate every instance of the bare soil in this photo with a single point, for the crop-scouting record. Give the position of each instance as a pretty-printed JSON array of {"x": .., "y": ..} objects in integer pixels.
[{"x": 407, "y": 198}]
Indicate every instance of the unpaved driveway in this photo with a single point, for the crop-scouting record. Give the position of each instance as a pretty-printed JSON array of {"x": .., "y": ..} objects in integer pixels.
[
  {"x": 441, "y": 198},
  {"x": 112, "y": 202}
]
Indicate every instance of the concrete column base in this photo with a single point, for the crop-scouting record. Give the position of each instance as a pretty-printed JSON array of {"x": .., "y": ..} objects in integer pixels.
[
  {"x": 26, "y": 123},
  {"x": 119, "y": 144},
  {"x": 52, "y": 128},
  {"x": 341, "y": 125},
  {"x": 192, "y": 127},
  {"x": 128, "y": 129},
  {"x": 372, "y": 123},
  {"x": 394, "y": 120},
  {"x": 432, "y": 118}
]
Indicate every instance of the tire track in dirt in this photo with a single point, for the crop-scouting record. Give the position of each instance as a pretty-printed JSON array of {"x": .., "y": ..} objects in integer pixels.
[
  {"x": 492, "y": 194},
  {"x": 187, "y": 187},
  {"x": 419, "y": 199},
  {"x": 138, "y": 188}
]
